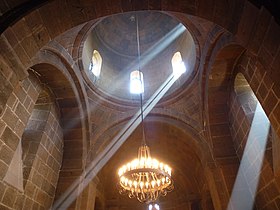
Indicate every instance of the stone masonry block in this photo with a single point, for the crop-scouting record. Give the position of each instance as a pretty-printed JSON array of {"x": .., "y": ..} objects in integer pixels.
[
  {"x": 2, "y": 207},
  {"x": 3, "y": 169},
  {"x": 2, "y": 190},
  {"x": 22, "y": 113},
  {"x": 6, "y": 154},
  {"x": 33, "y": 93},
  {"x": 10, "y": 55},
  {"x": 30, "y": 45},
  {"x": 20, "y": 93},
  {"x": 27, "y": 102},
  {"x": 2, "y": 128},
  {"x": 21, "y": 30},
  {"x": 30, "y": 189},
  {"x": 270, "y": 102},
  {"x": 9, "y": 138},
  {"x": 271, "y": 40},
  {"x": 9, "y": 197},
  {"x": 11, "y": 37},
  {"x": 19, "y": 128},
  {"x": 247, "y": 22},
  {"x": 10, "y": 118},
  {"x": 19, "y": 201},
  {"x": 27, "y": 203},
  {"x": 260, "y": 29},
  {"x": 12, "y": 101}
]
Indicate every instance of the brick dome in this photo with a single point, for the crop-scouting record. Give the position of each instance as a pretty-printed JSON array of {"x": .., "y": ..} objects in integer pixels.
[{"x": 114, "y": 37}]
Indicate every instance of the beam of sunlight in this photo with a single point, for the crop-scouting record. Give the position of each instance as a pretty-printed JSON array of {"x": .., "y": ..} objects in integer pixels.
[
  {"x": 96, "y": 165},
  {"x": 152, "y": 52},
  {"x": 247, "y": 179},
  {"x": 72, "y": 192},
  {"x": 160, "y": 45}
]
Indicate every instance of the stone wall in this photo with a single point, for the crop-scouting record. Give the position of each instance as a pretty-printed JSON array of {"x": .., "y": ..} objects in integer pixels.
[
  {"x": 30, "y": 125},
  {"x": 42, "y": 146},
  {"x": 249, "y": 150}
]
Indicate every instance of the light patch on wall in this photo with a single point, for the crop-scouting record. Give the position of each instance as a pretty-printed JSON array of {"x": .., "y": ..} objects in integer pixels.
[{"x": 14, "y": 174}]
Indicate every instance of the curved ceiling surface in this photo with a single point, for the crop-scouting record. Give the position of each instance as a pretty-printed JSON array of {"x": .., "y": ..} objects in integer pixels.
[
  {"x": 115, "y": 38},
  {"x": 166, "y": 143}
]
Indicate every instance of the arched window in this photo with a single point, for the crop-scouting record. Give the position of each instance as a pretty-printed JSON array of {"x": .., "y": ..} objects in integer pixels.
[
  {"x": 178, "y": 65},
  {"x": 95, "y": 64},
  {"x": 136, "y": 82}
]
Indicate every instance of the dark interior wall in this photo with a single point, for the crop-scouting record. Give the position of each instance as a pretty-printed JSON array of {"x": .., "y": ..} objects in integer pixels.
[{"x": 247, "y": 135}]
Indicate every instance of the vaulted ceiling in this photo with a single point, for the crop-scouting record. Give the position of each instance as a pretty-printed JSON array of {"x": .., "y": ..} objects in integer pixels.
[{"x": 186, "y": 126}]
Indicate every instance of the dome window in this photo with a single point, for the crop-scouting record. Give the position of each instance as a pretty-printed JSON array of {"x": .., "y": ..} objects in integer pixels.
[
  {"x": 95, "y": 64},
  {"x": 178, "y": 65},
  {"x": 136, "y": 82}
]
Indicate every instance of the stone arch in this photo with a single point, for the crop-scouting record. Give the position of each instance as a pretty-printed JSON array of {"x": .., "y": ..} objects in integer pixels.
[
  {"x": 242, "y": 96},
  {"x": 62, "y": 12},
  {"x": 216, "y": 79},
  {"x": 260, "y": 79},
  {"x": 217, "y": 76},
  {"x": 227, "y": 13},
  {"x": 198, "y": 154},
  {"x": 42, "y": 144},
  {"x": 182, "y": 6},
  {"x": 14, "y": 119},
  {"x": 69, "y": 95},
  {"x": 219, "y": 79},
  {"x": 33, "y": 132},
  {"x": 60, "y": 58},
  {"x": 6, "y": 78},
  {"x": 232, "y": 16},
  {"x": 22, "y": 107},
  {"x": 250, "y": 128}
]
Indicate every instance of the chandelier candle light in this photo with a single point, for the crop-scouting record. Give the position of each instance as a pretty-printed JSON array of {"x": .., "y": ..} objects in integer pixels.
[{"x": 144, "y": 178}]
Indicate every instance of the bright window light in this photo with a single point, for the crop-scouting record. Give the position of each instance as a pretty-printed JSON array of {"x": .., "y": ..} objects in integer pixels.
[
  {"x": 178, "y": 65},
  {"x": 136, "y": 82},
  {"x": 153, "y": 207},
  {"x": 95, "y": 64}
]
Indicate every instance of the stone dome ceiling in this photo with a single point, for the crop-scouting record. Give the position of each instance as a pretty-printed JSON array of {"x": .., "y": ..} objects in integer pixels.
[
  {"x": 153, "y": 26},
  {"x": 115, "y": 38}
]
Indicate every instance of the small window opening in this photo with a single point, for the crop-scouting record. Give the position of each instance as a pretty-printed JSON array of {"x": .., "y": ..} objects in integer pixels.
[
  {"x": 136, "y": 82},
  {"x": 154, "y": 206},
  {"x": 178, "y": 65},
  {"x": 95, "y": 64}
]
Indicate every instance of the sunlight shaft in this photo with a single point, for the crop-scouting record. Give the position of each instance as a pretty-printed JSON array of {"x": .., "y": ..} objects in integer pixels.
[
  {"x": 247, "y": 179},
  {"x": 96, "y": 165}
]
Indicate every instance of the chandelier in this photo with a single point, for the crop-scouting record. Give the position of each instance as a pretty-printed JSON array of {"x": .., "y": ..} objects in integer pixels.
[{"x": 144, "y": 178}]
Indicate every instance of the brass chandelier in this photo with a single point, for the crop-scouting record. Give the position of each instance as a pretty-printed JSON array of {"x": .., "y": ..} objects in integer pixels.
[{"x": 144, "y": 178}]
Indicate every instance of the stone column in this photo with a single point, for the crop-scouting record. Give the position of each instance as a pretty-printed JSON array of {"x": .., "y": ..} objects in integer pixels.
[{"x": 86, "y": 199}]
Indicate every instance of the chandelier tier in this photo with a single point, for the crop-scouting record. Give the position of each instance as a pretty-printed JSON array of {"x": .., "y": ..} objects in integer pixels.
[{"x": 144, "y": 178}]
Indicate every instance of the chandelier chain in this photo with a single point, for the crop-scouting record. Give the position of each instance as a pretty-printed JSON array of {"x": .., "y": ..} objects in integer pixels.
[
  {"x": 139, "y": 68},
  {"x": 144, "y": 178}
]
